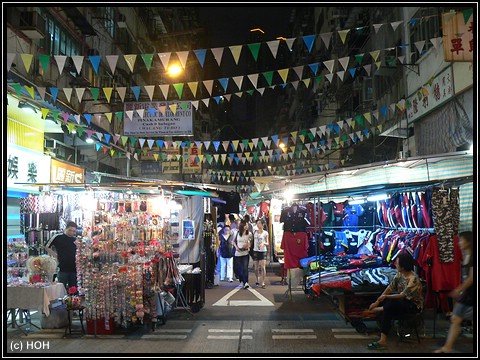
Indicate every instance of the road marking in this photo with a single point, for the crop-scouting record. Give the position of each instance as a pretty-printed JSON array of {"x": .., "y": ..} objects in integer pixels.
[
  {"x": 292, "y": 337},
  {"x": 291, "y": 330},
  {"x": 172, "y": 330},
  {"x": 224, "y": 330},
  {"x": 247, "y": 337},
  {"x": 344, "y": 330},
  {"x": 224, "y": 301},
  {"x": 164, "y": 336},
  {"x": 223, "y": 337}
]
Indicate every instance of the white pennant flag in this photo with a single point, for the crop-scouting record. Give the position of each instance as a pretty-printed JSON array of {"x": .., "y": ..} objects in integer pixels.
[
  {"x": 329, "y": 77},
  {"x": 436, "y": 42},
  {"x": 78, "y": 62},
  {"x": 79, "y": 92},
  {"x": 344, "y": 62},
  {"x": 68, "y": 93},
  {"x": 238, "y": 80},
  {"x": 273, "y": 46},
  {"x": 326, "y": 37},
  {"x": 182, "y": 56},
  {"x": 299, "y": 71},
  {"x": 60, "y": 62},
  {"x": 206, "y": 101},
  {"x": 10, "y": 58},
  {"x": 121, "y": 92},
  {"x": 395, "y": 24},
  {"x": 209, "y": 86},
  {"x": 290, "y": 42},
  {"x": 141, "y": 142},
  {"x": 165, "y": 58},
  {"x": 195, "y": 104},
  {"x": 368, "y": 69},
  {"x": 401, "y": 59},
  {"x": 41, "y": 92},
  {"x": 341, "y": 74},
  {"x": 227, "y": 96},
  {"x": 253, "y": 79},
  {"x": 375, "y": 114},
  {"x": 377, "y": 27},
  {"x": 217, "y": 53},
  {"x": 150, "y": 89},
  {"x": 129, "y": 114},
  {"x": 112, "y": 62},
  {"x": 150, "y": 143},
  {"x": 295, "y": 84},
  {"x": 77, "y": 119},
  {"x": 419, "y": 45},
  {"x": 164, "y": 89},
  {"x": 329, "y": 65}
]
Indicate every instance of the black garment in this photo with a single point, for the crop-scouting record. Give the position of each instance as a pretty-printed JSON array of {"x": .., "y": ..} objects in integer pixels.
[
  {"x": 328, "y": 242},
  {"x": 295, "y": 218},
  {"x": 227, "y": 249},
  {"x": 467, "y": 296},
  {"x": 233, "y": 202},
  {"x": 395, "y": 309},
  {"x": 66, "y": 249}
]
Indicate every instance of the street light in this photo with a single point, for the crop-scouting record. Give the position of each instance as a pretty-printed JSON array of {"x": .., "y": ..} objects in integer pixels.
[{"x": 174, "y": 70}]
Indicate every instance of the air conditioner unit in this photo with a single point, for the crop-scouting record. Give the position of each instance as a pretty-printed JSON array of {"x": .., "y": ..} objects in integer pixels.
[{"x": 32, "y": 24}]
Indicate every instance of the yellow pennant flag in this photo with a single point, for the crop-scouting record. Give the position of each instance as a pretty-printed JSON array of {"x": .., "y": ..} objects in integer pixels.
[
  {"x": 108, "y": 92},
  {"x": 124, "y": 140},
  {"x": 306, "y": 82},
  {"x": 173, "y": 108},
  {"x": 70, "y": 127},
  {"x": 27, "y": 60},
  {"x": 375, "y": 54},
  {"x": 193, "y": 86},
  {"x": 302, "y": 137},
  {"x": 304, "y": 152},
  {"x": 112, "y": 152},
  {"x": 155, "y": 156},
  {"x": 109, "y": 116},
  {"x": 378, "y": 63},
  {"x": 236, "y": 50},
  {"x": 379, "y": 127},
  {"x": 44, "y": 112},
  {"x": 343, "y": 35},
  {"x": 235, "y": 144},
  {"x": 367, "y": 116},
  {"x": 130, "y": 60},
  {"x": 283, "y": 73},
  {"x": 30, "y": 90}
]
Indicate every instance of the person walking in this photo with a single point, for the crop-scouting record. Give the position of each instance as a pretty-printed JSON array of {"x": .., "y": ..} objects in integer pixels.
[
  {"x": 242, "y": 245},
  {"x": 260, "y": 247},
  {"x": 62, "y": 247},
  {"x": 403, "y": 295},
  {"x": 463, "y": 294},
  {"x": 227, "y": 251}
]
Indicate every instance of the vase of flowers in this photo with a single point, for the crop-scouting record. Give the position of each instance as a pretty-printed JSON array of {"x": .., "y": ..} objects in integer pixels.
[{"x": 72, "y": 300}]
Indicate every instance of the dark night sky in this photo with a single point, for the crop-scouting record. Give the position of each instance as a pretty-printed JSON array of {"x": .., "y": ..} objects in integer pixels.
[{"x": 229, "y": 25}]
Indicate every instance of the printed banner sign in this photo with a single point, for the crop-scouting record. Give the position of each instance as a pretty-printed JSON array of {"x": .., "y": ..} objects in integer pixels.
[
  {"x": 63, "y": 173},
  {"x": 26, "y": 166},
  {"x": 191, "y": 161},
  {"x": 458, "y": 36},
  {"x": 159, "y": 119}
]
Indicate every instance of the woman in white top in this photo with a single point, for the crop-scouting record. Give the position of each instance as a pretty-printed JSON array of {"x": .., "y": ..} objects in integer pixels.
[
  {"x": 242, "y": 246},
  {"x": 259, "y": 255}
]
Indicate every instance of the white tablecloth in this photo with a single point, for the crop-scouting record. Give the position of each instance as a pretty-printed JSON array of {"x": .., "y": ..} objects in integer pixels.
[{"x": 25, "y": 297}]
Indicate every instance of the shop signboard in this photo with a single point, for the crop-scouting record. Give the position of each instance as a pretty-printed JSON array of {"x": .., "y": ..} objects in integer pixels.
[
  {"x": 191, "y": 161},
  {"x": 63, "y": 173},
  {"x": 160, "y": 118},
  {"x": 431, "y": 95},
  {"x": 150, "y": 168},
  {"x": 26, "y": 167},
  {"x": 457, "y": 28}
]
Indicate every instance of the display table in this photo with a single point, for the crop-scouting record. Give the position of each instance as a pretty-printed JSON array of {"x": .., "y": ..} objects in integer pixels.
[
  {"x": 30, "y": 297},
  {"x": 70, "y": 315}
]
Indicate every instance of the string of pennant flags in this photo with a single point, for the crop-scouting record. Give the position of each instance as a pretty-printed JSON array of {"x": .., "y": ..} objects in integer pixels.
[
  {"x": 208, "y": 84},
  {"x": 200, "y": 54}
]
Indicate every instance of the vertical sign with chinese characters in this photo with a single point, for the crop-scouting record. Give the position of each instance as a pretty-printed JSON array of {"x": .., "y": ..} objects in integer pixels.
[
  {"x": 26, "y": 167},
  {"x": 458, "y": 35},
  {"x": 191, "y": 160},
  {"x": 63, "y": 173},
  {"x": 431, "y": 95}
]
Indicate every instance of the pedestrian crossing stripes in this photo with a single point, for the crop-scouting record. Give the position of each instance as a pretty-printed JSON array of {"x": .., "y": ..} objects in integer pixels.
[
  {"x": 293, "y": 334},
  {"x": 238, "y": 334},
  {"x": 168, "y": 334}
]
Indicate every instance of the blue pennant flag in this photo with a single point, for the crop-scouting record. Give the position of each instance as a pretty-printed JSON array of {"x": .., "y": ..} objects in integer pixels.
[
  {"x": 107, "y": 137},
  {"x": 336, "y": 127},
  {"x": 183, "y": 144},
  {"x": 151, "y": 110},
  {"x": 97, "y": 146},
  {"x": 216, "y": 144},
  {"x": 54, "y": 92},
  {"x": 308, "y": 40},
  {"x": 95, "y": 60},
  {"x": 384, "y": 110},
  {"x": 88, "y": 117},
  {"x": 322, "y": 142},
  {"x": 314, "y": 68},
  {"x": 275, "y": 138},
  {"x": 159, "y": 143},
  {"x": 285, "y": 141},
  {"x": 217, "y": 99},
  {"x": 231, "y": 155},
  {"x": 236, "y": 159},
  {"x": 365, "y": 131},
  {"x": 201, "y": 55},
  {"x": 224, "y": 83},
  {"x": 136, "y": 91},
  {"x": 352, "y": 72}
]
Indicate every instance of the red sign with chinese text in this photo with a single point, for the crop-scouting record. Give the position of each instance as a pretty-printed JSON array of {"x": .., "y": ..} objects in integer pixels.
[
  {"x": 458, "y": 35},
  {"x": 63, "y": 173}
]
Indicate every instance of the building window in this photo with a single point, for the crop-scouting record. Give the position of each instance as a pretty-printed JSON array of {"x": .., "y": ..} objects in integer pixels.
[
  {"x": 205, "y": 127},
  {"x": 427, "y": 26},
  {"x": 108, "y": 15}
]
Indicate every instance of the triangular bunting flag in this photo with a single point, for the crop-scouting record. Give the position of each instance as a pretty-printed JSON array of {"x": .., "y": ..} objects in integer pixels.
[
  {"x": 182, "y": 56},
  {"x": 217, "y": 53},
  {"x": 164, "y": 89},
  {"x": 254, "y": 49},
  {"x": 326, "y": 37},
  {"x": 112, "y": 62},
  {"x": 179, "y": 89},
  {"x": 108, "y": 93},
  {"x": 368, "y": 69},
  {"x": 253, "y": 79},
  {"x": 130, "y": 60},
  {"x": 341, "y": 74},
  {"x": 208, "y": 85},
  {"x": 295, "y": 84},
  {"x": 299, "y": 71},
  {"x": 193, "y": 87},
  {"x": 375, "y": 54},
  {"x": 164, "y": 58},
  {"x": 195, "y": 104},
  {"x": 129, "y": 114},
  {"x": 44, "y": 60},
  {"x": 367, "y": 117},
  {"x": 238, "y": 80},
  {"x": 436, "y": 42},
  {"x": 236, "y": 50},
  {"x": 147, "y": 59},
  {"x": 121, "y": 92},
  {"x": 314, "y": 68},
  {"x": 419, "y": 45},
  {"x": 290, "y": 43},
  {"x": 268, "y": 76},
  {"x": 395, "y": 24},
  {"x": 95, "y": 61},
  {"x": 60, "y": 59},
  {"x": 224, "y": 83},
  {"x": 308, "y": 40},
  {"x": 283, "y": 74},
  {"x": 173, "y": 108},
  {"x": 79, "y": 92},
  {"x": 306, "y": 82},
  {"x": 200, "y": 54},
  {"x": 206, "y": 101},
  {"x": 273, "y": 46},
  {"x": 344, "y": 62},
  {"x": 377, "y": 27},
  {"x": 95, "y": 92},
  {"x": 109, "y": 116},
  {"x": 68, "y": 93},
  {"x": 41, "y": 92},
  {"x": 352, "y": 72},
  {"x": 359, "y": 58},
  {"x": 329, "y": 65},
  {"x": 343, "y": 35},
  {"x": 136, "y": 91},
  {"x": 150, "y": 89},
  {"x": 329, "y": 77}
]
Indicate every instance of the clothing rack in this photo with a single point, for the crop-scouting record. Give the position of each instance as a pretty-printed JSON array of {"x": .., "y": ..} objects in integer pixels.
[{"x": 405, "y": 229}]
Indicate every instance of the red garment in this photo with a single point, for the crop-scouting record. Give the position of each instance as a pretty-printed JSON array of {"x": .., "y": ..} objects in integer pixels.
[
  {"x": 441, "y": 277},
  {"x": 295, "y": 247},
  {"x": 264, "y": 209},
  {"x": 424, "y": 208}
]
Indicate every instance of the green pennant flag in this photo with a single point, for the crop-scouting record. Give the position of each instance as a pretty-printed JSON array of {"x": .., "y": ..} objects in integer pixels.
[
  {"x": 254, "y": 48},
  {"x": 138, "y": 151},
  {"x": 359, "y": 58},
  {"x": 95, "y": 92},
  {"x": 359, "y": 119},
  {"x": 344, "y": 137},
  {"x": 245, "y": 143},
  {"x": 260, "y": 144},
  {"x": 124, "y": 140},
  {"x": 184, "y": 105},
  {"x": 80, "y": 130},
  {"x": 119, "y": 115},
  {"x": 147, "y": 59},
  {"x": 319, "y": 79},
  {"x": 268, "y": 76},
  {"x": 255, "y": 155},
  {"x": 250, "y": 92},
  {"x": 133, "y": 140},
  {"x": 390, "y": 61},
  {"x": 18, "y": 88},
  {"x": 44, "y": 61},
  {"x": 164, "y": 156},
  {"x": 310, "y": 136},
  {"x": 303, "y": 132},
  {"x": 55, "y": 114},
  {"x": 179, "y": 89},
  {"x": 467, "y": 14}
]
